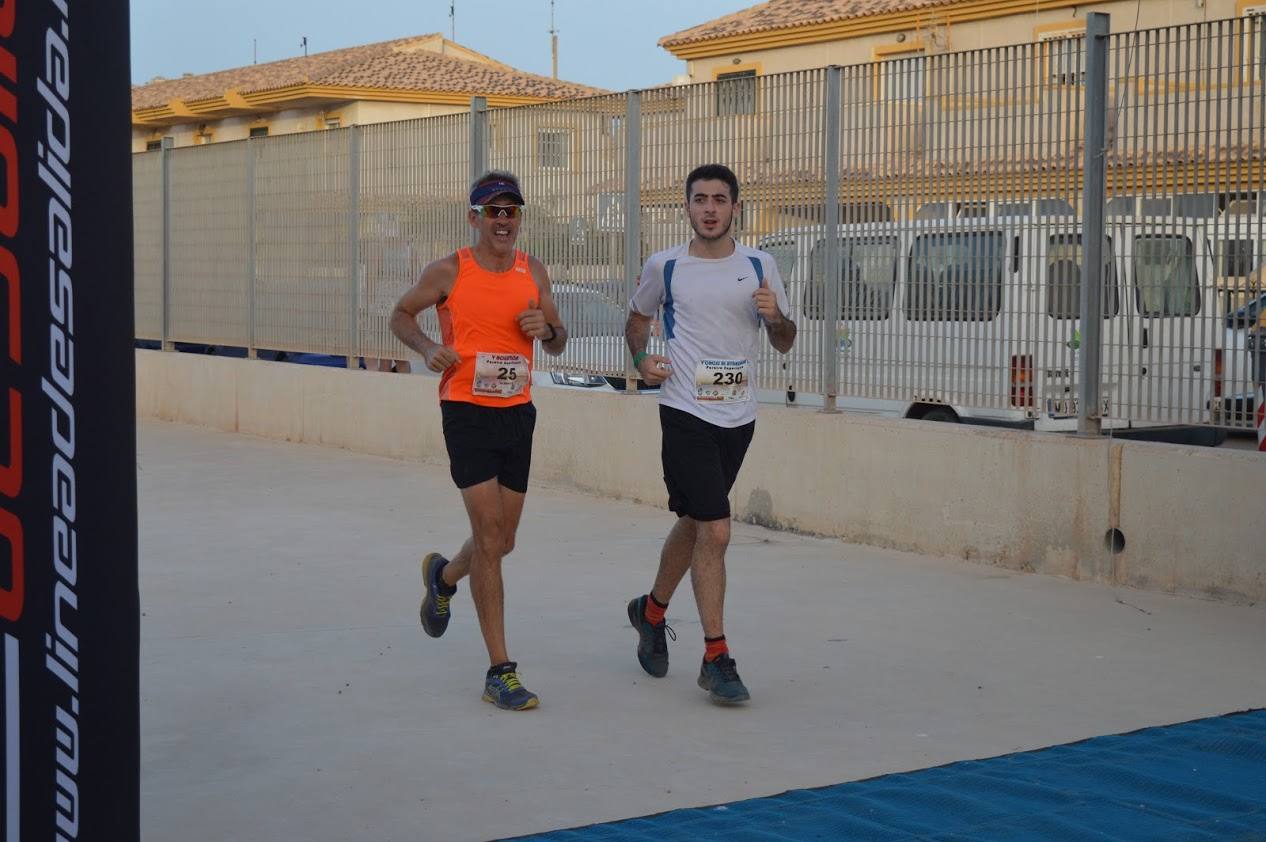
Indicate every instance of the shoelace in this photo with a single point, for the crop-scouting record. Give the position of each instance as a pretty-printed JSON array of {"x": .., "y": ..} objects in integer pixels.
[
  {"x": 658, "y": 644},
  {"x": 727, "y": 668},
  {"x": 511, "y": 681},
  {"x": 441, "y": 604}
]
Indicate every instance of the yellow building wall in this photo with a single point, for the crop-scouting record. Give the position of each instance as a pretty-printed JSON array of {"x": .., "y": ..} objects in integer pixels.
[
  {"x": 971, "y": 35},
  {"x": 289, "y": 122},
  {"x": 365, "y": 113}
]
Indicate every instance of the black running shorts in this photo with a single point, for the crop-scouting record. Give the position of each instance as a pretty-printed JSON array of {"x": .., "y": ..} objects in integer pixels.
[
  {"x": 489, "y": 442},
  {"x": 701, "y": 462}
]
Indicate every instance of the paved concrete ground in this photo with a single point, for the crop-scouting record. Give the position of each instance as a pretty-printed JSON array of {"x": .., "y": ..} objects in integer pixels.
[{"x": 289, "y": 694}]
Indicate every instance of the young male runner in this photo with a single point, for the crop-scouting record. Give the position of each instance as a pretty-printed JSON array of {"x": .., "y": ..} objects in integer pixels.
[
  {"x": 718, "y": 296},
  {"x": 492, "y": 301}
]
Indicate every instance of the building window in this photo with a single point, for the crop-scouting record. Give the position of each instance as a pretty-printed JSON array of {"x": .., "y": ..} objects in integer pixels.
[
  {"x": 259, "y": 131},
  {"x": 333, "y": 123},
  {"x": 901, "y": 76},
  {"x": 736, "y": 93},
  {"x": 203, "y": 137},
  {"x": 553, "y": 149},
  {"x": 1064, "y": 56},
  {"x": 151, "y": 145}
]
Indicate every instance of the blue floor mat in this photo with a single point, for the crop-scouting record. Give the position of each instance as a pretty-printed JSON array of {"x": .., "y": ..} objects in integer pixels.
[{"x": 1204, "y": 779}]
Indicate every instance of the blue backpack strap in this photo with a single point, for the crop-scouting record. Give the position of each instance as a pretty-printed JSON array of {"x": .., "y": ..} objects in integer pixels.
[
  {"x": 670, "y": 316},
  {"x": 759, "y": 267},
  {"x": 760, "y": 277}
]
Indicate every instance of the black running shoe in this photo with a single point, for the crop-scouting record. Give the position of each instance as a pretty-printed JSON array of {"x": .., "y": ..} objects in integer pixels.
[
  {"x": 434, "y": 611},
  {"x": 721, "y": 679},
  {"x": 652, "y": 645}
]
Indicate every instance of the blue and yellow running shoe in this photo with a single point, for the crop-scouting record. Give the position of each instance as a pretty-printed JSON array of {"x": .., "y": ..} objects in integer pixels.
[
  {"x": 503, "y": 688},
  {"x": 434, "y": 612}
]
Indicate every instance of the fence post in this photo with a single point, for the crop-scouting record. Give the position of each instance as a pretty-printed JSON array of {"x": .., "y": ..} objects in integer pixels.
[
  {"x": 251, "y": 350},
  {"x": 632, "y": 214},
  {"x": 165, "y": 166},
  {"x": 353, "y": 246},
  {"x": 830, "y": 346},
  {"x": 478, "y": 144},
  {"x": 1089, "y": 415}
]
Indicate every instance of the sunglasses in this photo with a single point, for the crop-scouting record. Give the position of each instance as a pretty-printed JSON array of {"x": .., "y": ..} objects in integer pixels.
[{"x": 498, "y": 211}]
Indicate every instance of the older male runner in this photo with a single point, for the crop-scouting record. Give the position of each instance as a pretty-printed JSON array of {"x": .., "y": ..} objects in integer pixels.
[
  {"x": 493, "y": 302},
  {"x": 718, "y": 296}
]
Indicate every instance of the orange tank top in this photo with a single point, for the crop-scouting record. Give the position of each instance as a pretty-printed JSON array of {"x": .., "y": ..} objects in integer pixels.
[{"x": 479, "y": 321}]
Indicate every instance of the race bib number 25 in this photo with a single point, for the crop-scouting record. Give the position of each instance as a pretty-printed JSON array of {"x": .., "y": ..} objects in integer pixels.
[
  {"x": 500, "y": 375},
  {"x": 722, "y": 380}
]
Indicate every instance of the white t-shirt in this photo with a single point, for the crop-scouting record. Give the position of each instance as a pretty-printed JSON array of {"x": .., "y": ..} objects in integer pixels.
[{"x": 711, "y": 327}]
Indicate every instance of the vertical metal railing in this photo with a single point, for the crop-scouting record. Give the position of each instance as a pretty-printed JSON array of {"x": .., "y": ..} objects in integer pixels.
[
  {"x": 147, "y": 228},
  {"x": 478, "y": 141},
  {"x": 355, "y": 267},
  {"x": 632, "y": 212},
  {"x": 1092, "y": 279},
  {"x": 831, "y": 220},
  {"x": 165, "y": 166},
  {"x": 252, "y": 347}
]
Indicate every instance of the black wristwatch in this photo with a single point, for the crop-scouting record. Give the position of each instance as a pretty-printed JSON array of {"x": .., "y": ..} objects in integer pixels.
[{"x": 552, "y": 333}]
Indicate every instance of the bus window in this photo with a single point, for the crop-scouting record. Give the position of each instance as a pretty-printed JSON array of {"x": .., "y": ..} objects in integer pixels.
[
  {"x": 1063, "y": 278},
  {"x": 868, "y": 276},
  {"x": 1197, "y": 205},
  {"x": 1165, "y": 282},
  {"x": 1120, "y": 206},
  {"x": 956, "y": 277}
]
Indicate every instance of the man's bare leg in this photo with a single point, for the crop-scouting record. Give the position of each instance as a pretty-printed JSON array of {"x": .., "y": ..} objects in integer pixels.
[
  {"x": 674, "y": 559},
  {"x": 488, "y": 525},
  {"x": 707, "y": 574},
  {"x": 458, "y": 566}
]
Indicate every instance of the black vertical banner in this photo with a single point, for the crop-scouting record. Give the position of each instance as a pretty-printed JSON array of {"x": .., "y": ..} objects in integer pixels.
[{"x": 68, "y": 586}]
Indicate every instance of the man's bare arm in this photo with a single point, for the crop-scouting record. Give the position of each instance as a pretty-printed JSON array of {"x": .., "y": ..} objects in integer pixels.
[
  {"x": 558, "y": 341},
  {"x": 432, "y": 288},
  {"x": 782, "y": 334},
  {"x": 654, "y": 368}
]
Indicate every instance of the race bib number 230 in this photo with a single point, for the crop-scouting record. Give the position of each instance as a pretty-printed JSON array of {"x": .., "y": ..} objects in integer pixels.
[
  {"x": 500, "y": 375},
  {"x": 722, "y": 380}
]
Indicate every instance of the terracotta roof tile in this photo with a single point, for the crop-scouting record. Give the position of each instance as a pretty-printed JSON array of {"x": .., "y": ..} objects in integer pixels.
[
  {"x": 788, "y": 14},
  {"x": 396, "y": 65}
]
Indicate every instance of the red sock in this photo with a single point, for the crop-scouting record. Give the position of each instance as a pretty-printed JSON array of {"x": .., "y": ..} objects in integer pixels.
[
  {"x": 714, "y": 647},
  {"x": 654, "y": 611}
]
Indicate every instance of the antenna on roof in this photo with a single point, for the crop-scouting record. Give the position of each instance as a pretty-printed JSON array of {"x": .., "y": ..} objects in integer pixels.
[
  {"x": 303, "y": 42},
  {"x": 452, "y": 20},
  {"x": 553, "y": 39},
  {"x": 254, "y": 51}
]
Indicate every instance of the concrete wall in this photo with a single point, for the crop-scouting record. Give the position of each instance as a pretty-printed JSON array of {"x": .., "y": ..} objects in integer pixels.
[{"x": 1192, "y": 518}]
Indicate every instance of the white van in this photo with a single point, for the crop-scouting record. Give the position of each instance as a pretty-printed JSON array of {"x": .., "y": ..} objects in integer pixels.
[{"x": 978, "y": 319}]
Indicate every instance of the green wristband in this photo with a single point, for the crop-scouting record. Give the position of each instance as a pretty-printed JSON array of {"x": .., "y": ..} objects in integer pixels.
[{"x": 638, "y": 357}]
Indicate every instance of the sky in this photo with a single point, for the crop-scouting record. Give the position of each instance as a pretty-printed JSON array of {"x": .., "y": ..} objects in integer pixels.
[{"x": 604, "y": 43}]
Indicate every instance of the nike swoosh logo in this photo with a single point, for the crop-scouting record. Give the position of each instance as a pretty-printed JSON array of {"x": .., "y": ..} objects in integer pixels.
[{"x": 744, "y": 278}]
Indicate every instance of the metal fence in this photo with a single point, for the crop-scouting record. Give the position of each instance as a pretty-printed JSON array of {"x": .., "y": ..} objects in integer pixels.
[{"x": 968, "y": 193}]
